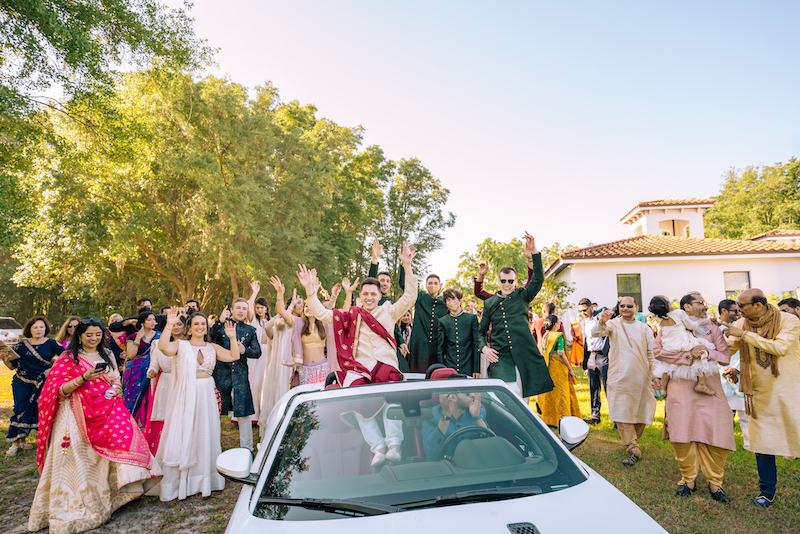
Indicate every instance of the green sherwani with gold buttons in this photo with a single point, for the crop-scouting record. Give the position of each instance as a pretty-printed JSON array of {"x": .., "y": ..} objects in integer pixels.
[
  {"x": 423, "y": 345},
  {"x": 512, "y": 339},
  {"x": 460, "y": 341}
]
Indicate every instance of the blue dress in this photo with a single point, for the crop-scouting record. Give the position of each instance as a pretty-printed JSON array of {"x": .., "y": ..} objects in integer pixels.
[{"x": 27, "y": 384}]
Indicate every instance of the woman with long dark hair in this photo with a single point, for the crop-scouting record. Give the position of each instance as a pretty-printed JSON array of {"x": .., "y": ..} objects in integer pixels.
[
  {"x": 190, "y": 441},
  {"x": 137, "y": 390},
  {"x": 92, "y": 458},
  {"x": 37, "y": 354}
]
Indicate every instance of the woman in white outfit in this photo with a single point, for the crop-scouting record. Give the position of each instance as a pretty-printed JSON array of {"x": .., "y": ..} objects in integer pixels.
[
  {"x": 190, "y": 442},
  {"x": 258, "y": 317}
]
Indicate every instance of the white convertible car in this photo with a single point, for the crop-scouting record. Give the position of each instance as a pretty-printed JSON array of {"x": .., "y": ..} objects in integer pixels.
[{"x": 499, "y": 471}]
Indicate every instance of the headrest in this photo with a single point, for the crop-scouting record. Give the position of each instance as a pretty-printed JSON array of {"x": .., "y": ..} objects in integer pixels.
[{"x": 444, "y": 372}]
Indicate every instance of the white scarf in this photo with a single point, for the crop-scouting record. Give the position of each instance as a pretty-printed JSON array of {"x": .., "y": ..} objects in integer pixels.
[{"x": 177, "y": 447}]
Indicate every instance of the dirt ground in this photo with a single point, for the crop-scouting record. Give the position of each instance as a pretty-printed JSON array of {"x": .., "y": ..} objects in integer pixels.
[{"x": 19, "y": 477}]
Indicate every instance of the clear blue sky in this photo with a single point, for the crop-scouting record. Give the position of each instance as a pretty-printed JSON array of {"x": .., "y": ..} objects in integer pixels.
[{"x": 550, "y": 117}]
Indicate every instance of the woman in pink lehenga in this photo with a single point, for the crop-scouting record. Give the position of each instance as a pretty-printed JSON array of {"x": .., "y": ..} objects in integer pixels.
[{"x": 91, "y": 456}]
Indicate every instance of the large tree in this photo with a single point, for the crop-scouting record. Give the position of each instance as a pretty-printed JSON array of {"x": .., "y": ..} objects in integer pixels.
[
  {"x": 414, "y": 212},
  {"x": 197, "y": 185},
  {"x": 756, "y": 200}
]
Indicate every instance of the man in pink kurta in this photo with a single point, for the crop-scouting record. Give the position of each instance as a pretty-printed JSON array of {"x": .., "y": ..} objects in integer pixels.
[{"x": 699, "y": 426}]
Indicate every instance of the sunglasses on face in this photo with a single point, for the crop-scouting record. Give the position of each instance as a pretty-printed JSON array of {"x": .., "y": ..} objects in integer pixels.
[
  {"x": 92, "y": 321},
  {"x": 626, "y": 306},
  {"x": 503, "y": 281},
  {"x": 582, "y": 309}
]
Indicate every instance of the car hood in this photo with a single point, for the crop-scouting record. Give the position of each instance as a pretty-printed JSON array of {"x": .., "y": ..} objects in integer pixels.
[{"x": 560, "y": 511}]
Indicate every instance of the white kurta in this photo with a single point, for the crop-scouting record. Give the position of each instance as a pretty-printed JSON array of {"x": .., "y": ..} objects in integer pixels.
[
  {"x": 630, "y": 370},
  {"x": 775, "y": 428},
  {"x": 371, "y": 347}
]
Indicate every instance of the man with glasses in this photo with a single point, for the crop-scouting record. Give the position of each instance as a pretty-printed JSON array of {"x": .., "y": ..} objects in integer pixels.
[
  {"x": 631, "y": 404},
  {"x": 699, "y": 427},
  {"x": 728, "y": 311},
  {"x": 513, "y": 351},
  {"x": 769, "y": 352}
]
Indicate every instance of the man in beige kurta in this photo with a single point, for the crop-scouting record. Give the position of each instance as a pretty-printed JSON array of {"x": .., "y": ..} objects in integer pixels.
[
  {"x": 768, "y": 340},
  {"x": 631, "y": 404}
]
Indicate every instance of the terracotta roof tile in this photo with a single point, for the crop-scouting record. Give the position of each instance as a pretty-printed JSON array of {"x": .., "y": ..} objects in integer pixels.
[
  {"x": 778, "y": 232},
  {"x": 665, "y": 203},
  {"x": 657, "y": 245},
  {"x": 684, "y": 202}
]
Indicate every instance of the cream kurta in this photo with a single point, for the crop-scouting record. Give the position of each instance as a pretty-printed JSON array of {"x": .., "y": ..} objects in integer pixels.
[
  {"x": 775, "y": 428},
  {"x": 630, "y": 364},
  {"x": 371, "y": 347}
]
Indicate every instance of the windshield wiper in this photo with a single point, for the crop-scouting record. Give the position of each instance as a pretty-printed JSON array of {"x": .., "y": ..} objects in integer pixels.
[
  {"x": 340, "y": 506},
  {"x": 479, "y": 495}
]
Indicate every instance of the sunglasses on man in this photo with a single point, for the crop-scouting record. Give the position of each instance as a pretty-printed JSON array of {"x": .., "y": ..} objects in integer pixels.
[
  {"x": 627, "y": 306},
  {"x": 504, "y": 281}
]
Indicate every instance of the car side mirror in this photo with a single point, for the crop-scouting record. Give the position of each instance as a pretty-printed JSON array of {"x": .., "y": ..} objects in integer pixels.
[
  {"x": 235, "y": 464},
  {"x": 573, "y": 431}
]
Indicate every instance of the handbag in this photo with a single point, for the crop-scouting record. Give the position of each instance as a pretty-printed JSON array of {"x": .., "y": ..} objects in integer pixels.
[{"x": 9, "y": 356}]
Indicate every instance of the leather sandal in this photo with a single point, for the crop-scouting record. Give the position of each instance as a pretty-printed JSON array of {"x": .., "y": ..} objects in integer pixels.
[
  {"x": 719, "y": 496},
  {"x": 631, "y": 459}
]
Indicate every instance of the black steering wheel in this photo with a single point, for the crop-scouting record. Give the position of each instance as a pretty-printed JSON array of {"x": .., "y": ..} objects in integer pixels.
[{"x": 460, "y": 432}]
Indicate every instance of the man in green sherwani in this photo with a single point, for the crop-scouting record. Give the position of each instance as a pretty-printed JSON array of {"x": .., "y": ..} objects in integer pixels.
[
  {"x": 460, "y": 339},
  {"x": 423, "y": 349},
  {"x": 507, "y": 315}
]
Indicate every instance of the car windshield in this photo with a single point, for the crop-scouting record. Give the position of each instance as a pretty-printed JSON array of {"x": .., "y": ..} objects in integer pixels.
[
  {"x": 9, "y": 323},
  {"x": 435, "y": 447}
]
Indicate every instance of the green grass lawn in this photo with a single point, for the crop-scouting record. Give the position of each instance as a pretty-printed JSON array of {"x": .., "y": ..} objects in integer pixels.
[{"x": 651, "y": 484}]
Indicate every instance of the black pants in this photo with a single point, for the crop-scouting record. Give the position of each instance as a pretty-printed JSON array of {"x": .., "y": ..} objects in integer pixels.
[{"x": 596, "y": 376}]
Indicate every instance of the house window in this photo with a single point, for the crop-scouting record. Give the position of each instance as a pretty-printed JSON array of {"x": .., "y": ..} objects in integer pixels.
[
  {"x": 630, "y": 285},
  {"x": 736, "y": 281}
]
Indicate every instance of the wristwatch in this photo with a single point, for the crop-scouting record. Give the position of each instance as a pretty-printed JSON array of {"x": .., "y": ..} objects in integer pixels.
[{"x": 444, "y": 418}]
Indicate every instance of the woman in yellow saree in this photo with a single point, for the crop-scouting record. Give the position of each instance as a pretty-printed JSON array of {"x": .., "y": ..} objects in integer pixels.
[{"x": 562, "y": 400}]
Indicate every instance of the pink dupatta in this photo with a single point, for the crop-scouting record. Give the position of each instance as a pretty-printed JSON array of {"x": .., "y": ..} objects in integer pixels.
[
  {"x": 103, "y": 423},
  {"x": 345, "y": 331}
]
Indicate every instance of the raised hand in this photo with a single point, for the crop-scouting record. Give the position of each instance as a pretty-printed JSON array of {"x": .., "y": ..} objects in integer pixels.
[
  {"x": 605, "y": 316},
  {"x": 483, "y": 268},
  {"x": 407, "y": 254},
  {"x": 475, "y": 405},
  {"x": 348, "y": 287},
  {"x": 226, "y": 313},
  {"x": 230, "y": 331},
  {"x": 278, "y": 285},
  {"x": 172, "y": 316},
  {"x": 255, "y": 287},
  {"x": 530, "y": 246},
  {"x": 307, "y": 278},
  {"x": 336, "y": 289},
  {"x": 377, "y": 250}
]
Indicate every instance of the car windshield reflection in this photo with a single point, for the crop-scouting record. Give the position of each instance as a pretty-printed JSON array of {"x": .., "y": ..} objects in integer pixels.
[{"x": 411, "y": 449}]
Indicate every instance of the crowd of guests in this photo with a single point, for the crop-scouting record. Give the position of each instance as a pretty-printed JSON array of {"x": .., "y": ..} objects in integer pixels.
[
  {"x": 142, "y": 396},
  {"x": 744, "y": 362}
]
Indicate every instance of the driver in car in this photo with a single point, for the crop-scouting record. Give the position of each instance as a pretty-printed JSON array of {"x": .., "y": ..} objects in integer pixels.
[{"x": 454, "y": 412}]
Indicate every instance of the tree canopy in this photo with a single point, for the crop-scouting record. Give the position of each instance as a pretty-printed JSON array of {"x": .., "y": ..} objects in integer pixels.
[
  {"x": 499, "y": 255},
  {"x": 182, "y": 187},
  {"x": 756, "y": 200}
]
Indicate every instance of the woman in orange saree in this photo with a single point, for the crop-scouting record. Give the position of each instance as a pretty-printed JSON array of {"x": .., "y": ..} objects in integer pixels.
[{"x": 562, "y": 400}]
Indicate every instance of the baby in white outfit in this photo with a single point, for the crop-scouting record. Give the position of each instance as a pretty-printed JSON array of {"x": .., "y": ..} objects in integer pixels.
[{"x": 676, "y": 336}]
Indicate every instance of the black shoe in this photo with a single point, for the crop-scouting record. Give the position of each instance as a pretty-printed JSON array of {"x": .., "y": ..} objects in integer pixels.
[
  {"x": 719, "y": 496},
  {"x": 592, "y": 421},
  {"x": 684, "y": 490},
  {"x": 631, "y": 459}
]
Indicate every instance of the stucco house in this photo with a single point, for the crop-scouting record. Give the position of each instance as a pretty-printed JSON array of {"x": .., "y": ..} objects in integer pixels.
[{"x": 667, "y": 254}]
